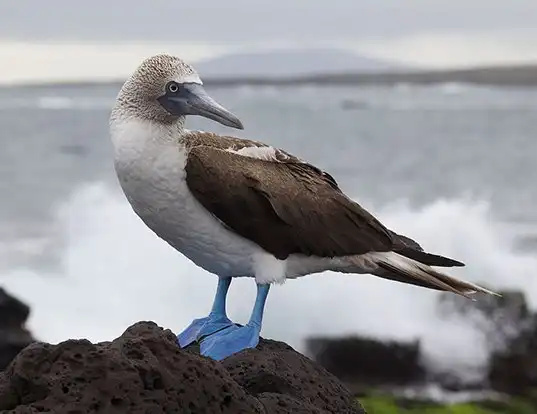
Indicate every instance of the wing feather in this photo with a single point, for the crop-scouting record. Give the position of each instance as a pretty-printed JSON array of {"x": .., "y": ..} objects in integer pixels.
[{"x": 285, "y": 207}]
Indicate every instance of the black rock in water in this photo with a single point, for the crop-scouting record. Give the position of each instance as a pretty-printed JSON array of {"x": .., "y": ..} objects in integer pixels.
[
  {"x": 144, "y": 371},
  {"x": 367, "y": 362},
  {"x": 13, "y": 334},
  {"x": 510, "y": 331}
]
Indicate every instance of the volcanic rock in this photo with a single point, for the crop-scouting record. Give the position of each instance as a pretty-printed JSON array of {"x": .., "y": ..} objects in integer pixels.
[
  {"x": 145, "y": 371},
  {"x": 13, "y": 334}
]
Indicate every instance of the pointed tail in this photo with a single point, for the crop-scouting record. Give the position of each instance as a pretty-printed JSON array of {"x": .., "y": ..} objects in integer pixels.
[{"x": 400, "y": 268}]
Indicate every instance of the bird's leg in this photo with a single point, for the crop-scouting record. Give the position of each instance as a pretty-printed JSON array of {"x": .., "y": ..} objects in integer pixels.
[
  {"x": 215, "y": 322},
  {"x": 225, "y": 343}
]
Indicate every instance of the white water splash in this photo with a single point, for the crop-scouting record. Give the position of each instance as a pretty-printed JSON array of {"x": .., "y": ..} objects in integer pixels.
[{"x": 115, "y": 271}]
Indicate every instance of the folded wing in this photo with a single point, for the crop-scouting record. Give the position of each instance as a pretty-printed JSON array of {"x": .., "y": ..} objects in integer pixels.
[{"x": 284, "y": 207}]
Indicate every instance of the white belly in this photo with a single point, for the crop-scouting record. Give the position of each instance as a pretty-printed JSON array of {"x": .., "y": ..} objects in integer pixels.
[{"x": 156, "y": 188}]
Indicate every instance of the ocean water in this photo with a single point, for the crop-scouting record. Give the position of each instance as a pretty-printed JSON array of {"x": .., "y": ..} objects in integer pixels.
[{"x": 452, "y": 166}]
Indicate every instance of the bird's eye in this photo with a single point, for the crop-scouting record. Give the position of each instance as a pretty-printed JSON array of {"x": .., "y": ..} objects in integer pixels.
[{"x": 173, "y": 87}]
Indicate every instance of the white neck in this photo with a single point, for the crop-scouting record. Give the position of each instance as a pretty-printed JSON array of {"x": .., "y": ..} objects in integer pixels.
[{"x": 131, "y": 135}]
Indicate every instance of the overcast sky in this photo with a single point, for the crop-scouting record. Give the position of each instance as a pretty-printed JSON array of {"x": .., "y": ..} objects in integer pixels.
[{"x": 425, "y": 32}]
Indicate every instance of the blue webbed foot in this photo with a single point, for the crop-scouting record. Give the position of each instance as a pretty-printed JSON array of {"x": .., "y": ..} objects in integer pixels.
[
  {"x": 218, "y": 336},
  {"x": 202, "y": 327},
  {"x": 224, "y": 343},
  {"x": 215, "y": 322}
]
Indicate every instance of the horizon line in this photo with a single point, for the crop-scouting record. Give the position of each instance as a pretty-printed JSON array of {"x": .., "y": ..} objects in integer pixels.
[{"x": 479, "y": 74}]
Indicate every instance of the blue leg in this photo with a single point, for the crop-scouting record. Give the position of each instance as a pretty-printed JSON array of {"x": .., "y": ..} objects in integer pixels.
[
  {"x": 216, "y": 321},
  {"x": 225, "y": 343}
]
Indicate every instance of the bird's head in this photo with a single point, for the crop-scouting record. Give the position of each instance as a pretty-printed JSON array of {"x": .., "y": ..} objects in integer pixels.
[{"x": 164, "y": 88}]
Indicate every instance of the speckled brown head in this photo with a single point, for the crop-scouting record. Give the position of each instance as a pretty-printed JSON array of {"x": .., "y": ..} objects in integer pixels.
[{"x": 165, "y": 89}]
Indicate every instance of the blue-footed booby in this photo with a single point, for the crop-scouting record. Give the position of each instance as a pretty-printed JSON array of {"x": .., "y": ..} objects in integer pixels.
[{"x": 242, "y": 208}]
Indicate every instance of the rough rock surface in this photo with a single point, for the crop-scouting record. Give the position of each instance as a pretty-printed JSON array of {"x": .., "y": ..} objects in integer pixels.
[
  {"x": 13, "y": 335},
  {"x": 144, "y": 371}
]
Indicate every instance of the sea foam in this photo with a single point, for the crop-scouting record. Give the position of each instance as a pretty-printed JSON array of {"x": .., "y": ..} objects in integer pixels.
[{"x": 114, "y": 271}]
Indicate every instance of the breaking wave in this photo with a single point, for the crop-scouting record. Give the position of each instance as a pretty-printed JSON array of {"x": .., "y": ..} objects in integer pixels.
[{"x": 113, "y": 271}]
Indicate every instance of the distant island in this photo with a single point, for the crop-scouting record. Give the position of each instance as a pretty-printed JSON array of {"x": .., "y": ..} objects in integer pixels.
[
  {"x": 292, "y": 62},
  {"x": 337, "y": 67},
  {"x": 508, "y": 76},
  {"x": 334, "y": 67}
]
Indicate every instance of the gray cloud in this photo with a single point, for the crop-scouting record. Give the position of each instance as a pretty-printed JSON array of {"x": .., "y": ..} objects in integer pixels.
[{"x": 246, "y": 21}]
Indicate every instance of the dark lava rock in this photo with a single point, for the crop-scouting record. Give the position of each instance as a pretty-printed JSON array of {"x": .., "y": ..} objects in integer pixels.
[
  {"x": 13, "y": 334},
  {"x": 370, "y": 362},
  {"x": 144, "y": 371}
]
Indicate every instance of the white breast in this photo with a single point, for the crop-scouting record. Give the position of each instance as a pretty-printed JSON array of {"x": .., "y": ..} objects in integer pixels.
[{"x": 150, "y": 167}]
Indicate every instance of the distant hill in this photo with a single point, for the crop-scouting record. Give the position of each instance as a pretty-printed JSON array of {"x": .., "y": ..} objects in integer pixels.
[
  {"x": 509, "y": 76},
  {"x": 285, "y": 63},
  {"x": 522, "y": 75}
]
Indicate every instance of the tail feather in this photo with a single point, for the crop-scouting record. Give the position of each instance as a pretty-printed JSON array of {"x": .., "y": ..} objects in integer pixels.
[
  {"x": 403, "y": 269},
  {"x": 410, "y": 248},
  {"x": 396, "y": 276},
  {"x": 429, "y": 258}
]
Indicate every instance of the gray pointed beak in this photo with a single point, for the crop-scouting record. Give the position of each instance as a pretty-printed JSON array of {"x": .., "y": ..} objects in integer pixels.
[{"x": 191, "y": 99}]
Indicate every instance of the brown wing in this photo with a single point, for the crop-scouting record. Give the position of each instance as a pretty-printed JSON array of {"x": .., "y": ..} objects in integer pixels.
[{"x": 284, "y": 207}]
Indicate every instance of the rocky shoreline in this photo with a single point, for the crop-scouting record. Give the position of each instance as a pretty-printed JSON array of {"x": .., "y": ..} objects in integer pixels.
[
  {"x": 387, "y": 376},
  {"x": 145, "y": 371}
]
